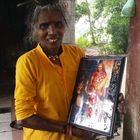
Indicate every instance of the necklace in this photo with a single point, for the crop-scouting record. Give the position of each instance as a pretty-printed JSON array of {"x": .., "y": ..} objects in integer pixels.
[
  {"x": 55, "y": 57},
  {"x": 52, "y": 57}
]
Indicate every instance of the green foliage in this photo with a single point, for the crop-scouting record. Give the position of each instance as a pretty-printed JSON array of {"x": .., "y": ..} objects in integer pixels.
[
  {"x": 98, "y": 7},
  {"x": 83, "y": 42},
  {"x": 80, "y": 10},
  {"x": 116, "y": 29}
]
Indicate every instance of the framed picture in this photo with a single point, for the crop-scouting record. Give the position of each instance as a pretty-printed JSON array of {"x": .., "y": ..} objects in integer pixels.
[{"x": 94, "y": 101}]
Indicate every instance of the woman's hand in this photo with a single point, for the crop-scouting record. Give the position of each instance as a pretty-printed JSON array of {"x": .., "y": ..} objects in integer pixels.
[
  {"x": 83, "y": 134},
  {"x": 80, "y": 133},
  {"x": 121, "y": 104}
]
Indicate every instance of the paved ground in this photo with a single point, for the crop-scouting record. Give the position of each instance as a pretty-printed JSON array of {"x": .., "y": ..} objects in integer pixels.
[
  {"x": 5, "y": 118},
  {"x": 5, "y": 130}
]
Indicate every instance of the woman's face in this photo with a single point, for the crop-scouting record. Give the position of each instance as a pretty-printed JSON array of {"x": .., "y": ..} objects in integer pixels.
[
  {"x": 50, "y": 30},
  {"x": 100, "y": 67}
]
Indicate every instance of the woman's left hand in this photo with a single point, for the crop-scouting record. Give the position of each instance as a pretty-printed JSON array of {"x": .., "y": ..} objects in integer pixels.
[{"x": 121, "y": 104}]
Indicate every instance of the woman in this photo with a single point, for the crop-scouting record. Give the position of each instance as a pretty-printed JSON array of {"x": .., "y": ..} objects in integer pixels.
[
  {"x": 45, "y": 78},
  {"x": 98, "y": 80}
]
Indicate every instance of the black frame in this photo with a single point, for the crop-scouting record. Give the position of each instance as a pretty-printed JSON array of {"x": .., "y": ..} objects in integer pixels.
[{"x": 94, "y": 101}]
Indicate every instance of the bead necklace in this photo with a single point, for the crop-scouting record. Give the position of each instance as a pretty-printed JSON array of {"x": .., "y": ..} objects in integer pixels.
[{"x": 55, "y": 57}]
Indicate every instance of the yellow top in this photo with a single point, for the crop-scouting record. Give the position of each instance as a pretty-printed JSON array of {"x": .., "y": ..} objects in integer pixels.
[{"x": 45, "y": 89}]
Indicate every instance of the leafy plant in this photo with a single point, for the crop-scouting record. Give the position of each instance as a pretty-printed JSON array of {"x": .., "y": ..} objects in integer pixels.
[
  {"x": 83, "y": 42},
  {"x": 108, "y": 29}
]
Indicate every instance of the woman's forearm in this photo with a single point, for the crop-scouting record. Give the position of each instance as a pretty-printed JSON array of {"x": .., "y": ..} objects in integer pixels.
[{"x": 37, "y": 123}]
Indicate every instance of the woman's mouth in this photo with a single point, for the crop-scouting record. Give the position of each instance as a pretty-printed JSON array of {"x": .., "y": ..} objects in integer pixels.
[{"x": 52, "y": 40}]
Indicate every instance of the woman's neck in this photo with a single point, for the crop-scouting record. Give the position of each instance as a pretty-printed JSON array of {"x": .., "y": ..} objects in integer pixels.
[{"x": 52, "y": 52}]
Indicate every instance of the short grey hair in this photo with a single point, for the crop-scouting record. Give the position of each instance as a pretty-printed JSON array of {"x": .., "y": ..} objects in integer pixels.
[{"x": 33, "y": 18}]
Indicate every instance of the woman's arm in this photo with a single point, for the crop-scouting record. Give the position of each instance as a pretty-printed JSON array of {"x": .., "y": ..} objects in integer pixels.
[{"x": 38, "y": 123}]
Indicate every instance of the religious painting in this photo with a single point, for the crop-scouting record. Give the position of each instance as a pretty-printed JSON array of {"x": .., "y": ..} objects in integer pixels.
[{"x": 97, "y": 87}]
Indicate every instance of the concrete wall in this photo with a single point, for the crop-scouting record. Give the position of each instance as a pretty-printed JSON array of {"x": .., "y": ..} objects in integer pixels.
[
  {"x": 132, "y": 116},
  {"x": 70, "y": 30}
]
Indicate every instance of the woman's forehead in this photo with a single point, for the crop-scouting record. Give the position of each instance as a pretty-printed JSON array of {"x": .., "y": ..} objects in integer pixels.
[{"x": 46, "y": 15}]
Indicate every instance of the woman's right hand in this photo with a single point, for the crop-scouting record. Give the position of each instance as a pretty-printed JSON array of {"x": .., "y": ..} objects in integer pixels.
[{"x": 80, "y": 133}]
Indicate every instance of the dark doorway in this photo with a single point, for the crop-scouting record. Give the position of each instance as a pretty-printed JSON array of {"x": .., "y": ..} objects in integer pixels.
[{"x": 12, "y": 23}]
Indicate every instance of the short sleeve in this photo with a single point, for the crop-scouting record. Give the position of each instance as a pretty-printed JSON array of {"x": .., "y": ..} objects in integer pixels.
[{"x": 81, "y": 52}]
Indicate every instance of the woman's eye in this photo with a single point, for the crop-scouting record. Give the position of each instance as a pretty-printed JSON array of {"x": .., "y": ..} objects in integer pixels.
[
  {"x": 59, "y": 24},
  {"x": 44, "y": 25}
]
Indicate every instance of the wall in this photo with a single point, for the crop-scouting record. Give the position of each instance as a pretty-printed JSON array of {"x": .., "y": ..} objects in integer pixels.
[
  {"x": 132, "y": 116},
  {"x": 70, "y": 30}
]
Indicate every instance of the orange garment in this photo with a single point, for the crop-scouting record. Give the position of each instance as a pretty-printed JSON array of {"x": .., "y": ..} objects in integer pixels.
[{"x": 45, "y": 89}]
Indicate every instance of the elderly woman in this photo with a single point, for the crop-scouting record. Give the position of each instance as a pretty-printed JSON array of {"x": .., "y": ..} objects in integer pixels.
[{"x": 45, "y": 78}]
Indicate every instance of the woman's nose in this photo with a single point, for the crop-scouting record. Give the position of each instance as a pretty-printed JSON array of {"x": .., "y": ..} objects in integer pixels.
[{"x": 52, "y": 29}]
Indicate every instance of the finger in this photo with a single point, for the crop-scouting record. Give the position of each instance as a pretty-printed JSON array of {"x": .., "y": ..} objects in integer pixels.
[
  {"x": 69, "y": 130},
  {"x": 121, "y": 108},
  {"x": 121, "y": 97}
]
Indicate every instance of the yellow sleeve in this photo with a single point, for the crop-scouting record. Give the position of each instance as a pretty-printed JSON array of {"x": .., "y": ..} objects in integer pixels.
[
  {"x": 81, "y": 52},
  {"x": 25, "y": 88}
]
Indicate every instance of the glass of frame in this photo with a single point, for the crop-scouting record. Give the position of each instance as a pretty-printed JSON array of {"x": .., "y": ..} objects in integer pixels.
[{"x": 94, "y": 100}]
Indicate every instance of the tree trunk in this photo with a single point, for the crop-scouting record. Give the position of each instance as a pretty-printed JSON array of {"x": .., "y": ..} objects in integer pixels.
[{"x": 90, "y": 25}]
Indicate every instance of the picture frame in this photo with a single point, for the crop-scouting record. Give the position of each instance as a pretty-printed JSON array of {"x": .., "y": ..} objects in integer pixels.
[{"x": 94, "y": 101}]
